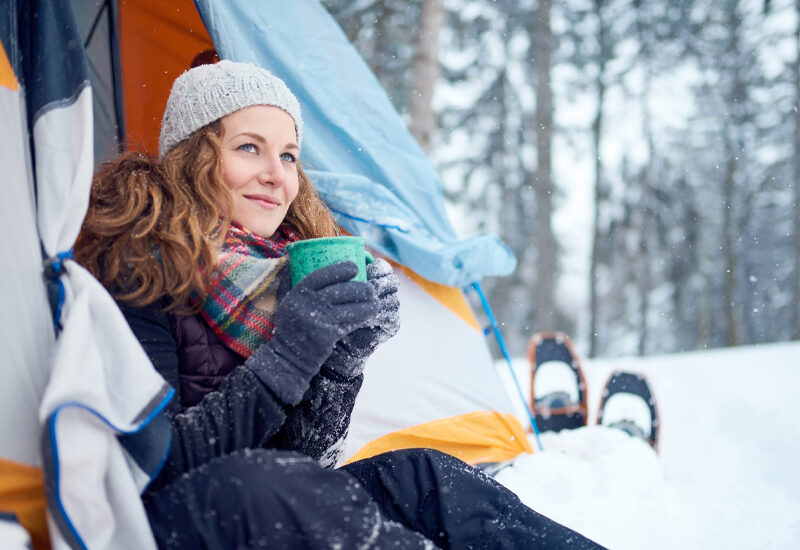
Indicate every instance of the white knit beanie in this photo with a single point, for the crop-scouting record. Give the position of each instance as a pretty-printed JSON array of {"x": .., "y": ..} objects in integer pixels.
[{"x": 209, "y": 92}]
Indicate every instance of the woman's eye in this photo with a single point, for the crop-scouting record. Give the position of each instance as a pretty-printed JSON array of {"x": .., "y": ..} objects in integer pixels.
[
  {"x": 248, "y": 148},
  {"x": 289, "y": 157}
]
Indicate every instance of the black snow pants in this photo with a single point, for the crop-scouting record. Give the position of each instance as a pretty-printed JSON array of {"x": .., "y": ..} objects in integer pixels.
[{"x": 415, "y": 498}]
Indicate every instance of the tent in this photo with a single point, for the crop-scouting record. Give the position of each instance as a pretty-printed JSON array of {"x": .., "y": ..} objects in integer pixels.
[{"x": 82, "y": 79}]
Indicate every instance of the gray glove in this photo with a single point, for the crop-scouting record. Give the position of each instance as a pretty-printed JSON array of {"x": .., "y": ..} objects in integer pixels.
[
  {"x": 309, "y": 320},
  {"x": 351, "y": 352}
]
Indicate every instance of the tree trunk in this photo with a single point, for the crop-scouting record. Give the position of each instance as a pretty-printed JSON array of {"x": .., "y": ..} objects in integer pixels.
[
  {"x": 599, "y": 191},
  {"x": 546, "y": 247},
  {"x": 594, "y": 264},
  {"x": 505, "y": 289},
  {"x": 381, "y": 39},
  {"x": 425, "y": 72},
  {"x": 729, "y": 292},
  {"x": 731, "y": 231},
  {"x": 795, "y": 286},
  {"x": 644, "y": 260}
]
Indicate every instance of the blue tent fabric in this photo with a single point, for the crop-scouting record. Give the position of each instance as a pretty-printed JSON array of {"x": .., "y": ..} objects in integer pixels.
[
  {"x": 55, "y": 70},
  {"x": 365, "y": 163}
]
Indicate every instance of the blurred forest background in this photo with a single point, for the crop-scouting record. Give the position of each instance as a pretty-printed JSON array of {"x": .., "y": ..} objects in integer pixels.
[{"x": 640, "y": 157}]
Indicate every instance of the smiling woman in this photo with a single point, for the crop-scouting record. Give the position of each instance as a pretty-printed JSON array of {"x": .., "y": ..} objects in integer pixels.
[
  {"x": 154, "y": 229},
  {"x": 259, "y": 166},
  {"x": 193, "y": 247}
]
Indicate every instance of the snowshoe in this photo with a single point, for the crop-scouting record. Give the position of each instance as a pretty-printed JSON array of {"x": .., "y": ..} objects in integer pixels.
[
  {"x": 628, "y": 404},
  {"x": 558, "y": 388}
]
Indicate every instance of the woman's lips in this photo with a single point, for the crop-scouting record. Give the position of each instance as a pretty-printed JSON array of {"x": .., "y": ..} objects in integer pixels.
[{"x": 263, "y": 201}]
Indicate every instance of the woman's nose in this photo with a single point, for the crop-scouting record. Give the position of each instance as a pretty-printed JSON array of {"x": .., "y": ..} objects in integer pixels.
[{"x": 272, "y": 172}]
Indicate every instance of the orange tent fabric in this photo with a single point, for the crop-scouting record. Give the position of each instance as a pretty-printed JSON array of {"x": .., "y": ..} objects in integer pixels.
[
  {"x": 7, "y": 77},
  {"x": 158, "y": 41},
  {"x": 22, "y": 494}
]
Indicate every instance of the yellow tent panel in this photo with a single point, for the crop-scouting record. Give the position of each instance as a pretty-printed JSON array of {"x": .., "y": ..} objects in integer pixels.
[{"x": 476, "y": 437}]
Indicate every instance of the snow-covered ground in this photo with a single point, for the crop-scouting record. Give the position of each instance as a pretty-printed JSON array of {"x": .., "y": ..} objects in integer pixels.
[{"x": 726, "y": 475}]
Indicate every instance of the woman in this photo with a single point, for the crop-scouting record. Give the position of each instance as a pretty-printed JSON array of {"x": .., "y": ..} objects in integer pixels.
[{"x": 192, "y": 247}]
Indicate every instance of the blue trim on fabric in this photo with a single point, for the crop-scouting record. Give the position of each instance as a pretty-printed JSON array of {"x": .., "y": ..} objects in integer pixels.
[
  {"x": 148, "y": 446},
  {"x": 51, "y": 429},
  {"x": 59, "y": 305},
  {"x": 160, "y": 465},
  {"x": 157, "y": 410},
  {"x": 501, "y": 342},
  {"x": 371, "y": 222},
  {"x": 56, "y": 270},
  {"x": 52, "y": 419}
]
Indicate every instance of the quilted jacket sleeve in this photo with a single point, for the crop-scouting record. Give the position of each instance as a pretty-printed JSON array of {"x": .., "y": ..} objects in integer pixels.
[
  {"x": 318, "y": 425},
  {"x": 241, "y": 414}
]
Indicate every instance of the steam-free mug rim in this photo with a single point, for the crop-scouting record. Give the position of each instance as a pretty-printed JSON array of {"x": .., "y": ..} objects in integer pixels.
[
  {"x": 323, "y": 240},
  {"x": 348, "y": 241}
]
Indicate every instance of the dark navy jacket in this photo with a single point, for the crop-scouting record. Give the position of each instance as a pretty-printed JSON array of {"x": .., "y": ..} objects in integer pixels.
[
  {"x": 225, "y": 407},
  {"x": 204, "y": 358}
]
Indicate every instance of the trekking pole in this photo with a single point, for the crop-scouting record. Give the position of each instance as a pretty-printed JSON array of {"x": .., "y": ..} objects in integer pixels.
[{"x": 502, "y": 344}]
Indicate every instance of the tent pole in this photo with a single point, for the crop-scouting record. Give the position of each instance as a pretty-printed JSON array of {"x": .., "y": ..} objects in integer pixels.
[
  {"x": 504, "y": 350},
  {"x": 116, "y": 72},
  {"x": 94, "y": 26}
]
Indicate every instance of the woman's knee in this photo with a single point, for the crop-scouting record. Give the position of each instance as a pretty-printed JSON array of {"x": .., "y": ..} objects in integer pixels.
[
  {"x": 279, "y": 495},
  {"x": 257, "y": 464},
  {"x": 422, "y": 460},
  {"x": 428, "y": 455},
  {"x": 270, "y": 477},
  {"x": 244, "y": 478}
]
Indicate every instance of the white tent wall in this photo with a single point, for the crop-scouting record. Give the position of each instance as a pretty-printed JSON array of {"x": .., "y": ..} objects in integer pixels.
[
  {"x": 26, "y": 326},
  {"x": 438, "y": 365},
  {"x": 95, "y": 381}
]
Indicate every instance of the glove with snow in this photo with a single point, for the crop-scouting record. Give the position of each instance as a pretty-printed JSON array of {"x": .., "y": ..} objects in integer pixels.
[
  {"x": 351, "y": 352},
  {"x": 309, "y": 320}
]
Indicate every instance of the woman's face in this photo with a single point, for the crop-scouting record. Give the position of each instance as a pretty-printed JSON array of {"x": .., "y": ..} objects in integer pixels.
[{"x": 259, "y": 166}]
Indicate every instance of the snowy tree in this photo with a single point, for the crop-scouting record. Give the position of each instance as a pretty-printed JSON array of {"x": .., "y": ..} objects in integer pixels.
[
  {"x": 542, "y": 48},
  {"x": 685, "y": 115},
  {"x": 727, "y": 131},
  {"x": 425, "y": 72},
  {"x": 384, "y": 32},
  {"x": 501, "y": 56},
  {"x": 596, "y": 29}
]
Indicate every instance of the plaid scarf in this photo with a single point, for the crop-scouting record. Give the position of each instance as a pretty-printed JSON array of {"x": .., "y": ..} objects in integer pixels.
[{"x": 244, "y": 286}]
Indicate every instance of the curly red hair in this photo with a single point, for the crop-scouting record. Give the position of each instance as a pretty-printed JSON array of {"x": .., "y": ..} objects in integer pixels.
[{"x": 153, "y": 229}]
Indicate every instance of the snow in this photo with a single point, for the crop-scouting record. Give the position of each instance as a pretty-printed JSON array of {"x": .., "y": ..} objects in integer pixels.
[{"x": 725, "y": 475}]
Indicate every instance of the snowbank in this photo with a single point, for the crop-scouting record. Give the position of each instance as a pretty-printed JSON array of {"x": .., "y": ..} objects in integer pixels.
[{"x": 725, "y": 475}]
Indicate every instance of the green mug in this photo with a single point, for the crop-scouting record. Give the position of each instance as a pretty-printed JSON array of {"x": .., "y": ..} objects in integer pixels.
[{"x": 312, "y": 254}]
